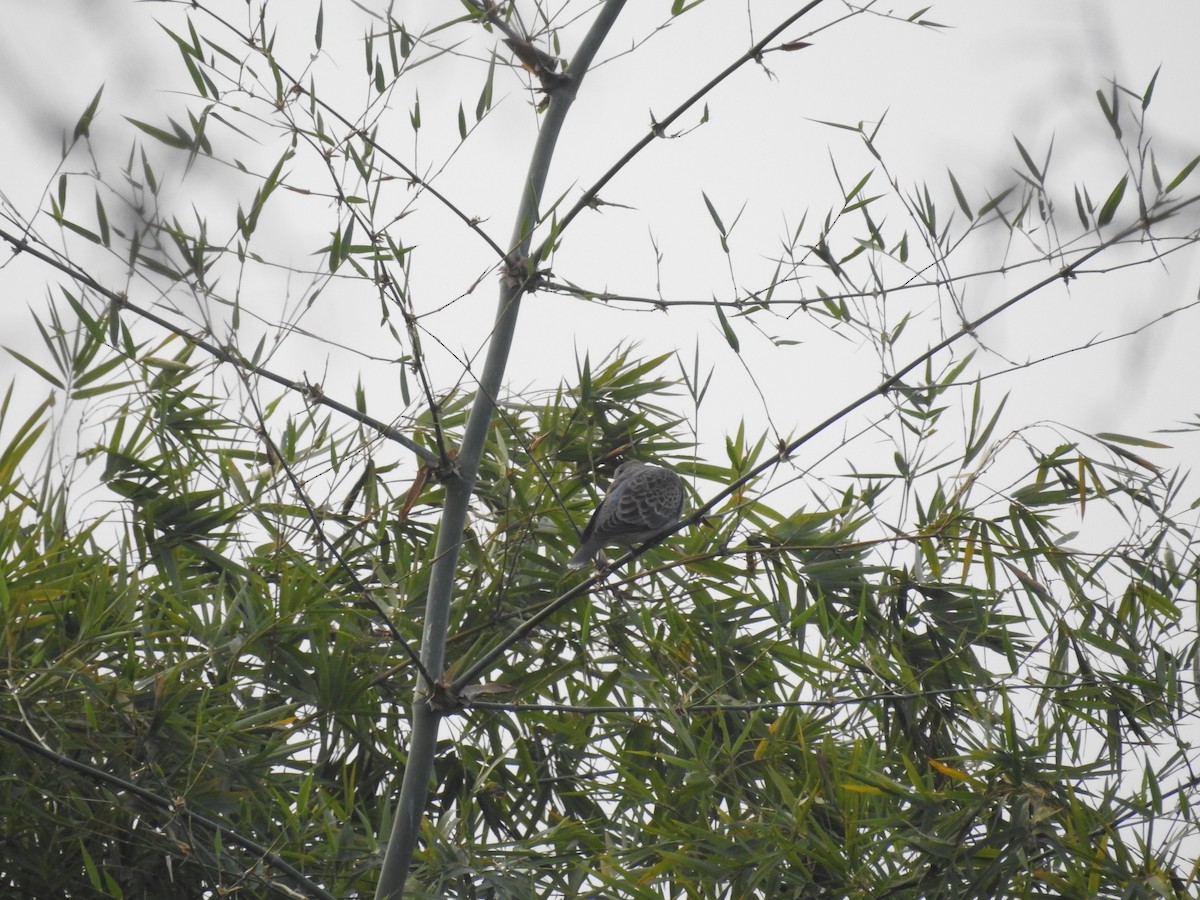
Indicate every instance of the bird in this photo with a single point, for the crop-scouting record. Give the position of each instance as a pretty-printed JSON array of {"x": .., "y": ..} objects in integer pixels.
[{"x": 642, "y": 501}]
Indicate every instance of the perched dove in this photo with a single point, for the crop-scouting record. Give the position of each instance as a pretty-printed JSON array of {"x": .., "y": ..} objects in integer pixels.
[{"x": 641, "y": 502}]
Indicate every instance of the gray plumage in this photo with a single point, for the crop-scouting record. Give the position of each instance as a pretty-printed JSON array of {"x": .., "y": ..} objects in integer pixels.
[{"x": 641, "y": 502}]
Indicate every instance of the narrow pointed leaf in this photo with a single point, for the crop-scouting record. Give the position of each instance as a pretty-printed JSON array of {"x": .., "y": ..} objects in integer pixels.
[
  {"x": 1150, "y": 88},
  {"x": 960, "y": 196},
  {"x": 1109, "y": 209},
  {"x": 730, "y": 334},
  {"x": 712, "y": 211},
  {"x": 1183, "y": 174},
  {"x": 85, "y": 121},
  {"x": 1029, "y": 163}
]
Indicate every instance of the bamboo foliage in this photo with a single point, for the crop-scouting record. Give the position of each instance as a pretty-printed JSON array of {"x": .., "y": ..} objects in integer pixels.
[{"x": 269, "y": 634}]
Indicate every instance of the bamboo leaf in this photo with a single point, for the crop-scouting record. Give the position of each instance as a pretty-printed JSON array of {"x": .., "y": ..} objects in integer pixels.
[
  {"x": 1109, "y": 209},
  {"x": 1111, "y": 112},
  {"x": 960, "y": 196},
  {"x": 993, "y": 203},
  {"x": 103, "y": 220},
  {"x": 712, "y": 211},
  {"x": 176, "y": 140},
  {"x": 81, "y": 231},
  {"x": 1132, "y": 441},
  {"x": 1029, "y": 163},
  {"x": 36, "y": 368},
  {"x": 1150, "y": 88},
  {"x": 485, "y": 96},
  {"x": 85, "y": 121},
  {"x": 976, "y": 442},
  {"x": 1079, "y": 208},
  {"x": 730, "y": 335},
  {"x": 1183, "y": 174}
]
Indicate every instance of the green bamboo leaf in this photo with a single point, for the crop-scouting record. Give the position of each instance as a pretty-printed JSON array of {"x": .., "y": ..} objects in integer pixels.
[
  {"x": 236, "y": 60},
  {"x": 1111, "y": 112},
  {"x": 730, "y": 335},
  {"x": 977, "y": 441},
  {"x": 54, "y": 346},
  {"x": 1079, "y": 208},
  {"x": 1158, "y": 602},
  {"x": 485, "y": 96},
  {"x": 31, "y": 364},
  {"x": 335, "y": 251},
  {"x": 197, "y": 77},
  {"x": 320, "y": 32},
  {"x": 1150, "y": 88},
  {"x": 1183, "y": 173},
  {"x": 103, "y": 220},
  {"x": 180, "y": 142},
  {"x": 1029, "y": 163},
  {"x": 85, "y": 121},
  {"x": 101, "y": 390},
  {"x": 585, "y": 383},
  {"x": 200, "y": 141},
  {"x": 93, "y": 327},
  {"x": 196, "y": 49},
  {"x": 712, "y": 211},
  {"x": 853, "y": 192},
  {"x": 161, "y": 268},
  {"x": 114, "y": 321},
  {"x": 26, "y": 436},
  {"x": 1109, "y": 209},
  {"x": 1132, "y": 441},
  {"x": 81, "y": 231},
  {"x": 148, "y": 173},
  {"x": 93, "y": 871},
  {"x": 99, "y": 371},
  {"x": 960, "y": 196}
]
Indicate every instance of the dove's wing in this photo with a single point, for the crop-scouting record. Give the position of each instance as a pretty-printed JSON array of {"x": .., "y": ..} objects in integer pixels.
[{"x": 641, "y": 501}]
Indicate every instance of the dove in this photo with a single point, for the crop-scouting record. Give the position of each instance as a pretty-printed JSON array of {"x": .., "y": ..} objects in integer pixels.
[{"x": 642, "y": 501}]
